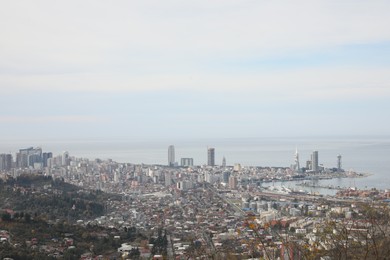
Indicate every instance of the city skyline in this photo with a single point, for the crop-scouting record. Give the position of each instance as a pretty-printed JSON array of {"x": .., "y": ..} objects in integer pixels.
[
  {"x": 35, "y": 158},
  {"x": 196, "y": 152},
  {"x": 194, "y": 69},
  {"x": 361, "y": 155}
]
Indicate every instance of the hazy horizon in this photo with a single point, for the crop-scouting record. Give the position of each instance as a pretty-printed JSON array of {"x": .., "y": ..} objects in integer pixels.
[{"x": 238, "y": 150}]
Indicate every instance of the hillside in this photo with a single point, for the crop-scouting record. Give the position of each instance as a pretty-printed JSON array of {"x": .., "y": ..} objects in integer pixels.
[{"x": 50, "y": 199}]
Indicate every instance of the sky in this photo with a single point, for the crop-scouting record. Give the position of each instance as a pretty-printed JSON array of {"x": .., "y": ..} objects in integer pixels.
[{"x": 153, "y": 69}]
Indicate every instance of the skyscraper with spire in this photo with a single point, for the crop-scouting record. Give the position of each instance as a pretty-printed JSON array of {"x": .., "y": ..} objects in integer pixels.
[
  {"x": 339, "y": 166},
  {"x": 297, "y": 167}
]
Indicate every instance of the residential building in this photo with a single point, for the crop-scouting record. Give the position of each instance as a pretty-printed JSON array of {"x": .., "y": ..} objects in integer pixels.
[{"x": 185, "y": 162}]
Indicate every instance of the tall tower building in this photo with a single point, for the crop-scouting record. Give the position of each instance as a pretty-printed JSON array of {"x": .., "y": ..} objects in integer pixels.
[
  {"x": 339, "y": 169},
  {"x": 171, "y": 155},
  {"x": 297, "y": 166},
  {"x": 6, "y": 162},
  {"x": 211, "y": 157},
  {"x": 9, "y": 162},
  {"x": 314, "y": 161},
  {"x": 224, "y": 162}
]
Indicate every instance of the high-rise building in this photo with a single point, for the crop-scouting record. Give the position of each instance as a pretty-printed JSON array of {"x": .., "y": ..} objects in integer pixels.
[
  {"x": 297, "y": 167},
  {"x": 65, "y": 159},
  {"x": 211, "y": 157},
  {"x": 171, "y": 155},
  {"x": 22, "y": 157},
  {"x": 28, "y": 157},
  {"x": 58, "y": 160},
  {"x": 9, "y": 162},
  {"x": 233, "y": 182},
  {"x": 6, "y": 162},
  {"x": 339, "y": 166},
  {"x": 224, "y": 162},
  {"x": 35, "y": 157},
  {"x": 308, "y": 165},
  {"x": 45, "y": 157},
  {"x": 187, "y": 162},
  {"x": 314, "y": 161}
]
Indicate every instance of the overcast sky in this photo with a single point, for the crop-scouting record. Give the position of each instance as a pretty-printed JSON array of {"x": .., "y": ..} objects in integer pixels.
[{"x": 193, "y": 69}]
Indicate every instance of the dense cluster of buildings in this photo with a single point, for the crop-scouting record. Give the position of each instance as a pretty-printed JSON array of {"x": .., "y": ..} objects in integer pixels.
[
  {"x": 312, "y": 165},
  {"x": 32, "y": 158},
  {"x": 215, "y": 206},
  {"x": 35, "y": 159}
]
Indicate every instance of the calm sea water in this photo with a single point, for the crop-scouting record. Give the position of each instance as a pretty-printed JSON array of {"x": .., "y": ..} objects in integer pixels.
[{"x": 369, "y": 155}]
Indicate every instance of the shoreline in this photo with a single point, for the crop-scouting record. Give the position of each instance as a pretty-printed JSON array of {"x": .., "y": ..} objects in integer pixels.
[{"x": 322, "y": 177}]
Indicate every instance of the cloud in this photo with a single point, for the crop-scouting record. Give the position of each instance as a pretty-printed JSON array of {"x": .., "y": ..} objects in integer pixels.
[
  {"x": 215, "y": 56},
  {"x": 90, "y": 36},
  {"x": 153, "y": 45}
]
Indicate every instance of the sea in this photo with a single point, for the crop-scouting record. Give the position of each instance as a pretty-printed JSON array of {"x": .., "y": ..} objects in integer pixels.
[{"x": 370, "y": 155}]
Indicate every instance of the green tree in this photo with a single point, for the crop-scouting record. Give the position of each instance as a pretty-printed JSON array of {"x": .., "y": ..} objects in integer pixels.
[{"x": 5, "y": 216}]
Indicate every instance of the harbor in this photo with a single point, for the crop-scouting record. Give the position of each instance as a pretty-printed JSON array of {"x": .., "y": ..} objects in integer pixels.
[{"x": 314, "y": 185}]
